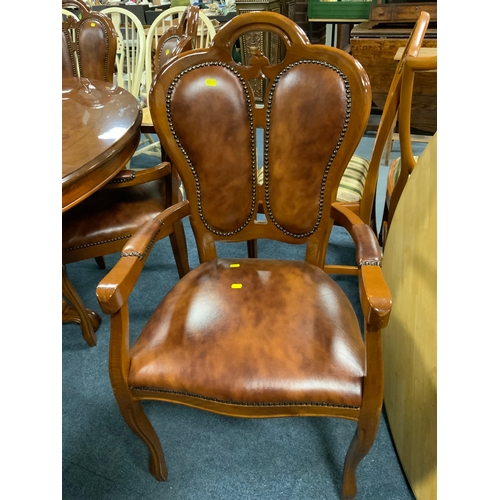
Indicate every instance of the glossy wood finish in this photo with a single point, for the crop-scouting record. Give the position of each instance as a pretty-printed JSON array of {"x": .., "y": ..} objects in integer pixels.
[
  {"x": 366, "y": 206},
  {"x": 410, "y": 342},
  {"x": 100, "y": 132},
  {"x": 253, "y": 337},
  {"x": 396, "y": 182}
]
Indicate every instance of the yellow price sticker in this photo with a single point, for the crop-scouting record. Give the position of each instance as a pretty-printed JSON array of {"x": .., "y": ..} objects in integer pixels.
[
  {"x": 211, "y": 82},
  {"x": 92, "y": 24},
  {"x": 236, "y": 285},
  {"x": 167, "y": 52},
  {"x": 234, "y": 265}
]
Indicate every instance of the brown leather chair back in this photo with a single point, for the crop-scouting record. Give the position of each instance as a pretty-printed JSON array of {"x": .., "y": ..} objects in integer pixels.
[
  {"x": 314, "y": 114},
  {"x": 93, "y": 51},
  {"x": 177, "y": 39}
]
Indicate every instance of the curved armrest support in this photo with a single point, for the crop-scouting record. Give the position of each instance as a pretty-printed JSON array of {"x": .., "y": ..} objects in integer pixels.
[
  {"x": 367, "y": 247},
  {"x": 374, "y": 293},
  {"x": 127, "y": 177},
  {"x": 114, "y": 289}
]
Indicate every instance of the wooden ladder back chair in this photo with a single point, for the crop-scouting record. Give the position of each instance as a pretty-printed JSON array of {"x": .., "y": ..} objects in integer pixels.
[
  {"x": 92, "y": 51},
  {"x": 401, "y": 168},
  {"x": 358, "y": 186},
  {"x": 130, "y": 54},
  {"x": 253, "y": 337}
]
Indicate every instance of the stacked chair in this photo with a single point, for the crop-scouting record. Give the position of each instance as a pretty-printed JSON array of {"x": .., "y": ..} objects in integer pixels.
[{"x": 247, "y": 337}]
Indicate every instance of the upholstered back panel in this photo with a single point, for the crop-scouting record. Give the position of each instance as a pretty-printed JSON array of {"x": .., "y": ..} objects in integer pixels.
[
  {"x": 93, "y": 50},
  {"x": 91, "y": 43},
  {"x": 315, "y": 108},
  {"x": 210, "y": 117},
  {"x": 309, "y": 104}
]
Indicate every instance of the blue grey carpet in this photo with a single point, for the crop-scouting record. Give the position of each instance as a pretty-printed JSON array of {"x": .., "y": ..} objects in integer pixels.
[{"x": 209, "y": 456}]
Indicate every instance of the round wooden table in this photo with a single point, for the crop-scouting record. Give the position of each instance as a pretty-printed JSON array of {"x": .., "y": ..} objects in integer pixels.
[{"x": 100, "y": 132}]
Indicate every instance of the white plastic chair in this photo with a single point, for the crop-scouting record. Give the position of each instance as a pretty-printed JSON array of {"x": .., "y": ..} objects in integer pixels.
[
  {"x": 169, "y": 17},
  {"x": 130, "y": 53}
]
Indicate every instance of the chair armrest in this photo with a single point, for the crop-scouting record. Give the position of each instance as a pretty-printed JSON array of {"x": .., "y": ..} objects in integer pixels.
[
  {"x": 114, "y": 289},
  {"x": 375, "y": 296},
  {"x": 367, "y": 247},
  {"x": 127, "y": 177}
]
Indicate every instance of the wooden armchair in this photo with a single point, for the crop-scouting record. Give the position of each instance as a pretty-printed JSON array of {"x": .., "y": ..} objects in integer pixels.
[
  {"x": 358, "y": 185},
  {"x": 102, "y": 224},
  {"x": 89, "y": 44},
  {"x": 402, "y": 167},
  {"x": 250, "y": 337}
]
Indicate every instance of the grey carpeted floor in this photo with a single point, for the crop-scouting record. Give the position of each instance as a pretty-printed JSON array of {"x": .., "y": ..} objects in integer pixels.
[{"x": 209, "y": 456}]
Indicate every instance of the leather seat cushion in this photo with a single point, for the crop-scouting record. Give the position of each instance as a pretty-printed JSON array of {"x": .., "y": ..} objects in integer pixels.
[
  {"x": 253, "y": 331},
  {"x": 111, "y": 214}
]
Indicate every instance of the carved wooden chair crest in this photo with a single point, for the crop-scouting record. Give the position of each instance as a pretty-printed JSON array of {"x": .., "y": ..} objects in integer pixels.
[
  {"x": 89, "y": 44},
  {"x": 253, "y": 337}
]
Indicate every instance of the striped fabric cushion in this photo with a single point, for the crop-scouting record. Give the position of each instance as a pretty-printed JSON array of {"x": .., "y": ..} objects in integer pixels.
[{"x": 353, "y": 181}]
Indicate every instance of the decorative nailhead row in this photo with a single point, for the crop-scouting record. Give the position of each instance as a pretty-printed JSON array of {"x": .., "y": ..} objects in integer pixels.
[
  {"x": 149, "y": 246},
  {"x": 70, "y": 45},
  {"x": 97, "y": 243},
  {"x": 183, "y": 151},
  {"x": 238, "y": 403},
  {"x": 369, "y": 263},
  {"x": 332, "y": 157},
  {"x": 123, "y": 179},
  {"x": 98, "y": 21}
]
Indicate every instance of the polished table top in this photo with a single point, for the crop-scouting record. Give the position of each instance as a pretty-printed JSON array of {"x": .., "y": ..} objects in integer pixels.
[{"x": 100, "y": 132}]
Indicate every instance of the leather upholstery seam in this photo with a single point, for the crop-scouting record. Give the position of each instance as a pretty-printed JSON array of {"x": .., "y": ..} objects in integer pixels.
[{"x": 240, "y": 403}]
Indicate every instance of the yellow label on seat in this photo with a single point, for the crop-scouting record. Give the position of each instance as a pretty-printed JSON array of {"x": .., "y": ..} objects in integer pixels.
[
  {"x": 92, "y": 24},
  {"x": 167, "y": 52},
  {"x": 234, "y": 265},
  {"x": 236, "y": 285},
  {"x": 211, "y": 82}
]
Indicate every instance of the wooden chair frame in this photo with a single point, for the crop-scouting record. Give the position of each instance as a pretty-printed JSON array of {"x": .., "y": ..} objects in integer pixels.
[
  {"x": 91, "y": 43},
  {"x": 114, "y": 290},
  {"x": 365, "y": 209},
  {"x": 412, "y": 65}
]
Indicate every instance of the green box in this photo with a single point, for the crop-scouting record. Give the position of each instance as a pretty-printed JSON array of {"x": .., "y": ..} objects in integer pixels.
[
  {"x": 179, "y": 3},
  {"x": 358, "y": 10}
]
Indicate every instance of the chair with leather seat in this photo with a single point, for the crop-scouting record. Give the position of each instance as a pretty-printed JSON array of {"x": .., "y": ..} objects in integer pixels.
[
  {"x": 102, "y": 224},
  {"x": 256, "y": 337},
  {"x": 358, "y": 186},
  {"x": 401, "y": 168},
  {"x": 89, "y": 44}
]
